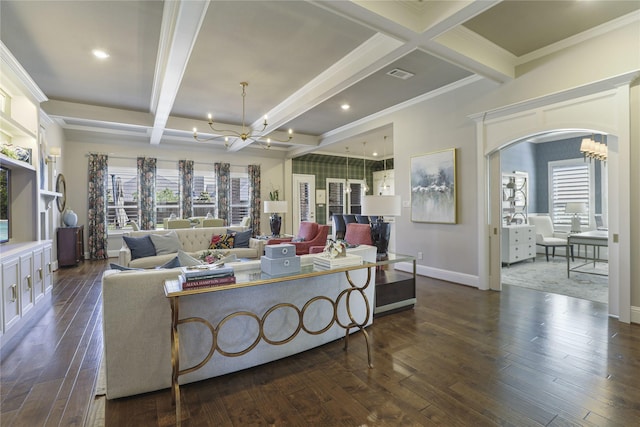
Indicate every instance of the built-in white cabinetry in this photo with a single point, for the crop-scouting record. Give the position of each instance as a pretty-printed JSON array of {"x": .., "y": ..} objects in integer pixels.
[
  {"x": 26, "y": 277},
  {"x": 25, "y": 262},
  {"x": 518, "y": 243}
]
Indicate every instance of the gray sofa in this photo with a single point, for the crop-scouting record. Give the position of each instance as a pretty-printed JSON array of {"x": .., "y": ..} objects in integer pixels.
[
  {"x": 192, "y": 240},
  {"x": 137, "y": 323}
]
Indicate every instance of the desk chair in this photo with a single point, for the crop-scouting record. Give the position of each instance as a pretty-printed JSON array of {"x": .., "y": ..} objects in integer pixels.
[{"x": 546, "y": 235}]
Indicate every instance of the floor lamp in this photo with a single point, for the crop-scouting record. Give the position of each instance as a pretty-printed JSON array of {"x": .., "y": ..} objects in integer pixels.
[
  {"x": 381, "y": 206},
  {"x": 275, "y": 207}
]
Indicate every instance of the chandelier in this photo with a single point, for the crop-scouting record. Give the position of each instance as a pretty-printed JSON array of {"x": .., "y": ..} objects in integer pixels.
[
  {"x": 231, "y": 136},
  {"x": 592, "y": 149}
]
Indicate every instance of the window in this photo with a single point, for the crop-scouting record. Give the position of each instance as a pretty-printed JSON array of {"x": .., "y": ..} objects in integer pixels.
[
  {"x": 341, "y": 203},
  {"x": 167, "y": 193},
  {"x": 204, "y": 190},
  {"x": 122, "y": 193},
  {"x": 239, "y": 197},
  {"x": 570, "y": 181}
]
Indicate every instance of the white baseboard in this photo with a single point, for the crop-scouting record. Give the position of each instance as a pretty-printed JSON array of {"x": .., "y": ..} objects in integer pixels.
[
  {"x": 635, "y": 314},
  {"x": 436, "y": 273}
]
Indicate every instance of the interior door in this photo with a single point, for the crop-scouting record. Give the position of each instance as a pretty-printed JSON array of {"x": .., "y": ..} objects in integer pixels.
[{"x": 304, "y": 200}]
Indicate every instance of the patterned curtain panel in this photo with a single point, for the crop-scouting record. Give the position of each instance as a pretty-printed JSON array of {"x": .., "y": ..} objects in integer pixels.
[
  {"x": 254, "y": 198},
  {"x": 185, "y": 173},
  {"x": 97, "y": 206},
  {"x": 223, "y": 182},
  {"x": 147, "y": 192}
]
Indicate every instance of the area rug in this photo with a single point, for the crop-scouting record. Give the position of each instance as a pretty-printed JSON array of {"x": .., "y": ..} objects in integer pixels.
[
  {"x": 96, "y": 415},
  {"x": 552, "y": 277}
]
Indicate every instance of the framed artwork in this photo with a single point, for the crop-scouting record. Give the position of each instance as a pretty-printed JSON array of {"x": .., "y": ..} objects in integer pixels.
[{"x": 433, "y": 187}]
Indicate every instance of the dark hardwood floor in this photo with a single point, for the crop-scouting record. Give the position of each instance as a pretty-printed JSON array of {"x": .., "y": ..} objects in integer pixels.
[{"x": 461, "y": 357}]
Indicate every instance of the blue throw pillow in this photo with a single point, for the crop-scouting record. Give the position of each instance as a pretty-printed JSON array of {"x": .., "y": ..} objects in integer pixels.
[
  {"x": 241, "y": 238},
  {"x": 140, "y": 246},
  {"x": 175, "y": 262}
]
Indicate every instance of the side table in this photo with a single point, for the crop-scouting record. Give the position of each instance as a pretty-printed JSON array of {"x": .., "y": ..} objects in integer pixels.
[{"x": 70, "y": 245}]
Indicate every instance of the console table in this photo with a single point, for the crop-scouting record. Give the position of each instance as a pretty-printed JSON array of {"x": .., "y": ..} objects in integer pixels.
[
  {"x": 595, "y": 238},
  {"x": 254, "y": 277}
]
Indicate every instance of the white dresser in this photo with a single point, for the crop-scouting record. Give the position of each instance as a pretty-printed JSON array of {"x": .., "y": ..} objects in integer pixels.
[{"x": 518, "y": 243}]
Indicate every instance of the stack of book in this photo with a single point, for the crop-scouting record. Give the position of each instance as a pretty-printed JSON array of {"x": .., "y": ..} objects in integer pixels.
[
  {"x": 205, "y": 277},
  {"x": 324, "y": 262}
]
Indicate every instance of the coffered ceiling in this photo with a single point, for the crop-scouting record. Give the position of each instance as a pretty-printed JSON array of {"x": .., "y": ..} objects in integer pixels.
[{"x": 172, "y": 63}]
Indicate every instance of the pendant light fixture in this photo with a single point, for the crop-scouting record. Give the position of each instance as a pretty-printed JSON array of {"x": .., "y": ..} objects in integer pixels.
[{"x": 365, "y": 188}]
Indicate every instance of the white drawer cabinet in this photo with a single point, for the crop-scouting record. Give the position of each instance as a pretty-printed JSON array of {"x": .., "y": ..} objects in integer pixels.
[
  {"x": 518, "y": 243},
  {"x": 10, "y": 293},
  {"x": 26, "y": 283}
]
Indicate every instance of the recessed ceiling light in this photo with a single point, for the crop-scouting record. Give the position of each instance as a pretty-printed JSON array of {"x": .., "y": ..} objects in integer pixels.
[
  {"x": 345, "y": 106},
  {"x": 100, "y": 54},
  {"x": 375, "y": 153}
]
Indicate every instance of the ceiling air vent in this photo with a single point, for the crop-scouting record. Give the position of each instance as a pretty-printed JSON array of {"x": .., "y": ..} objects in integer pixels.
[{"x": 401, "y": 74}]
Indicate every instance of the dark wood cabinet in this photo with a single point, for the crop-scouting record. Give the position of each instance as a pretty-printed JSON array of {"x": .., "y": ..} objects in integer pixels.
[{"x": 70, "y": 245}]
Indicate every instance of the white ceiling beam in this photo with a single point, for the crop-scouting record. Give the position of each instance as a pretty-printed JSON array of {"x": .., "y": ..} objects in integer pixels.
[{"x": 181, "y": 23}]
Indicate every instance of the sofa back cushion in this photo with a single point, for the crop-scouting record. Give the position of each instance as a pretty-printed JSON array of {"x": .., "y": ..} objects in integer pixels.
[{"x": 192, "y": 239}]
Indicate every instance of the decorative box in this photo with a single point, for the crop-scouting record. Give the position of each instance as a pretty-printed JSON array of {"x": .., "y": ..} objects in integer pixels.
[
  {"x": 283, "y": 250},
  {"x": 280, "y": 266}
]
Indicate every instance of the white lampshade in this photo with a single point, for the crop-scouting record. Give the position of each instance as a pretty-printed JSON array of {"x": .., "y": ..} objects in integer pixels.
[
  {"x": 575, "y": 208},
  {"x": 275, "y": 206},
  {"x": 55, "y": 151},
  {"x": 381, "y": 205}
]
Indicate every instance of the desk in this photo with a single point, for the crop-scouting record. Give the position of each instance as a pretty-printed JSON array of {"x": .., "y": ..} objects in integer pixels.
[
  {"x": 254, "y": 277},
  {"x": 596, "y": 238}
]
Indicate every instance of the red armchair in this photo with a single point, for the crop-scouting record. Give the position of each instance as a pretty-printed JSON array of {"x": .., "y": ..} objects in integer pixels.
[
  {"x": 358, "y": 234},
  {"x": 313, "y": 234}
]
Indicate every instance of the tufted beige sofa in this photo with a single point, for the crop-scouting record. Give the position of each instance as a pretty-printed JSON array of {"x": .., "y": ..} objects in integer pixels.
[{"x": 193, "y": 240}]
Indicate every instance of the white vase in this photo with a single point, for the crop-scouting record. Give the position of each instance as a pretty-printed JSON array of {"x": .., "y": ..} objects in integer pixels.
[{"x": 70, "y": 218}]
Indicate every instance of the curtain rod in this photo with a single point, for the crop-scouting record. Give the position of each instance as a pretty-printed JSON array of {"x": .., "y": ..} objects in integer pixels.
[{"x": 161, "y": 159}]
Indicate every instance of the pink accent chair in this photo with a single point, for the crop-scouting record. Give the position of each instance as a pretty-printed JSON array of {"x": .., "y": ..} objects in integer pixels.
[
  {"x": 358, "y": 234},
  {"x": 313, "y": 234}
]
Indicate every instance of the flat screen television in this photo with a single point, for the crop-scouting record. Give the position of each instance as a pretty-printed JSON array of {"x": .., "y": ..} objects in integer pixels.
[{"x": 5, "y": 204}]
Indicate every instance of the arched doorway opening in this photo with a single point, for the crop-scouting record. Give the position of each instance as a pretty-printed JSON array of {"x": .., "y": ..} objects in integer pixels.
[{"x": 551, "y": 175}]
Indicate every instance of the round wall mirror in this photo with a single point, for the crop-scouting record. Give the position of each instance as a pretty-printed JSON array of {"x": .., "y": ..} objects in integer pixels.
[{"x": 61, "y": 187}]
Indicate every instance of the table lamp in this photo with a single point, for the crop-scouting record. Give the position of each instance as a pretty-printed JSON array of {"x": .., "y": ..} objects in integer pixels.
[
  {"x": 575, "y": 208},
  {"x": 275, "y": 207},
  {"x": 381, "y": 206}
]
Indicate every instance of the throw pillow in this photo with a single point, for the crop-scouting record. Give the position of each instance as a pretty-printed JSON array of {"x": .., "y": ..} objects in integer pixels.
[
  {"x": 122, "y": 267},
  {"x": 174, "y": 263},
  {"x": 140, "y": 246},
  {"x": 166, "y": 243},
  {"x": 221, "y": 241},
  {"x": 187, "y": 260},
  {"x": 240, "y": 238}
]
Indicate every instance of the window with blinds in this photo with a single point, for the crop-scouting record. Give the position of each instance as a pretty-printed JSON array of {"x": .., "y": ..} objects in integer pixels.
[
  {"x": 122, "y": 195},
  {"x": 570, "y": 181},
  {"x": 335, "y": 198},
  {"x": 204, "y": 190},
  {"x": 305, "y": 207},
  {"x": 167, "y": 193},
  {"x": 239, "y": 197}
]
